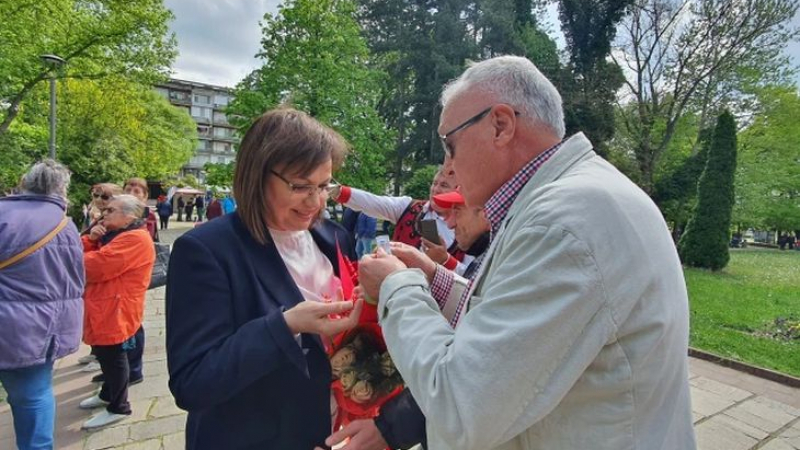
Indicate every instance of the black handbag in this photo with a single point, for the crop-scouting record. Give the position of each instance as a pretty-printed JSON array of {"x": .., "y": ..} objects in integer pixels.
[{"x": 159, "y": 276}]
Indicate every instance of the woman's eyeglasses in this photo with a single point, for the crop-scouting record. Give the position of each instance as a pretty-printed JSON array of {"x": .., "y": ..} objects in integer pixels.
[
  {"x": 308, "y": 189},
  {"x": 103, "y": 196}
]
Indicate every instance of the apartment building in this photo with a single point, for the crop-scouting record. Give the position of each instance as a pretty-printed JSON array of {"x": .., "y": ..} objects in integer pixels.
[{"x": 206, "y": 104}]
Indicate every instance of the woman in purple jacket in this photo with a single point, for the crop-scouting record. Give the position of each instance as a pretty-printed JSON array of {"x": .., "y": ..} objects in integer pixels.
[{"x": 41, "y": 305}]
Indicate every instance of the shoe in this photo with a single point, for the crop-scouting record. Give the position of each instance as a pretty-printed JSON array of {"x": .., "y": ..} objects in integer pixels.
[
  {"x": 136, "y": 381},
  {"x": 93, "y": 366},
  {"x": 92, "y": 402},
  {"x": 102, "y": 419},
  {"x": 87, "y": 359}
]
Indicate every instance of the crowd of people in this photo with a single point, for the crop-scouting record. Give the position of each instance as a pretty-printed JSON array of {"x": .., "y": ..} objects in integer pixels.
[{"x": 504, "y": 298}]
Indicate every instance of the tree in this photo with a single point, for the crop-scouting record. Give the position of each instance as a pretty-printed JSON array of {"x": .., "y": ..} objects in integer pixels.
[
  {"x": 705, "y": 243},
  {"x": 419, "y": 186},
  {"x": 109, "y": 130},
  {"x": 315, "y": 59},
  {"x": 768, "y": 174},
  {"x": 692, "y": 56},
  {"x": 219, "y": 174},
  {"x": 98, "y": 39},
  {"x": 589, "y": 83}
]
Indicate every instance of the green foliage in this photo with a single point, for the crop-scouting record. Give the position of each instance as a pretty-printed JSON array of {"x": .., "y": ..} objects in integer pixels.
[
  {"x": 731, "y": 308},
  {"x": 220, "y": 175},
  {"x": 695, "y": 58},
  {"x": 316, "y": 60},
  {"x": 419, "y": 186},
  {"x": 768, "y": 174},
  {"x": 589, "y": 84},
  {"x": 705, "y": 243},
  {"x": 98, "y": 39}
]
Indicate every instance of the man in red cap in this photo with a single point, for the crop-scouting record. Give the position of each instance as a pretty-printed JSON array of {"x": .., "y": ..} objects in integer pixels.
[{"x": 471, "y": 229}]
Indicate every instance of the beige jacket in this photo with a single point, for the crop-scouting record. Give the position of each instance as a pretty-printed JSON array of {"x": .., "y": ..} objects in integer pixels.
[{"x": 577, "y": 329}]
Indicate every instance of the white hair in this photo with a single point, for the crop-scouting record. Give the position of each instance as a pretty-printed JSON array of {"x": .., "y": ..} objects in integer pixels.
[
  {"x": 130, "y": 205},
  {"x": 516, "y": 81},
  {"x": 46, "y": 178}
]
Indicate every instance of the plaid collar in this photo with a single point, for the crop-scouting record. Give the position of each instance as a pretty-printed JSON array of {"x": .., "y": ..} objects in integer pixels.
[{"x": 500, "y": 202}]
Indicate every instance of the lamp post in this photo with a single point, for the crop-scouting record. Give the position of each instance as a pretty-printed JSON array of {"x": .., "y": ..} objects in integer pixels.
[{"x": 52, "y": 62}]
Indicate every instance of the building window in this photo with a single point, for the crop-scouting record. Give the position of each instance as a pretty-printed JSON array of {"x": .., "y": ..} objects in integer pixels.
[
  {"x": 179, "y": 96},
  {"x": 221, "y": 132},
  {"x": 164, "y": 92},
  {"x": 203, "y": 130},
  {"x": 219, "y": 117},
  {"x": 202, "y": 99},
  {"x": 222, "y": 147},
  {"x": 221, "y": 100},
  {"x": 198, "y": 111}
]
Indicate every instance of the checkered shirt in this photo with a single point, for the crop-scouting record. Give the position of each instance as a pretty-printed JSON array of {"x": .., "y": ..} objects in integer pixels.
[{"x": 496, "y": 210}]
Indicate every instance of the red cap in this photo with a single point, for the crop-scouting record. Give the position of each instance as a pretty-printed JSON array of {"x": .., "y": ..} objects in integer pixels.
[{"x": 449, "y": 199}]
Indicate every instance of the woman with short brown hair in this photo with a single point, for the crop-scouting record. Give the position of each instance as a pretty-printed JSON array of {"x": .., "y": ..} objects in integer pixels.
[{"x": 249, "y": 296}]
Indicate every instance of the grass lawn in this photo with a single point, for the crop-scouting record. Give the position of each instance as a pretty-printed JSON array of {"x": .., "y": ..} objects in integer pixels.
[{"x": 733, "y": 311}]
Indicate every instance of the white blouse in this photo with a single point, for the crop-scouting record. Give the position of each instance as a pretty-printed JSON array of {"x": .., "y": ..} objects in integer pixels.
[{"x": 310, "y": 269}]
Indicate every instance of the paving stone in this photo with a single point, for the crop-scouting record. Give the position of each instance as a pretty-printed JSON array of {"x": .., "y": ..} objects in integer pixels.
[
  {"x": 792, "y": 435},
  {"x": 777, "y": 444},
  {"x": 165, "y": 406},
  {"x": 697, "y": 417},
  {"x": 708, "y": 403},
  {"x": 794, "y": 412},
  {"x": 107, "y": 438},
  {"x": 140, "y": 408},
  {"x": 157, "y": 427},
  {"x": 175, "y": 441},
  {"x": 760, "y": 414},
  {"x": 713, "y": 434},
  {"x": 725, "y": 391},
  {"x": 745, "y": 428},
  {"x": 150, "y": 444}
]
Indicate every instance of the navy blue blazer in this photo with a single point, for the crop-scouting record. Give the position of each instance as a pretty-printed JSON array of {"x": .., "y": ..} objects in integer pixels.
[{"x": 233, "y": 363}]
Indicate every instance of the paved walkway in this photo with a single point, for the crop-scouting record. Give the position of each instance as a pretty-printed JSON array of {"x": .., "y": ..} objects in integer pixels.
[{"x": 732, "y": 410}]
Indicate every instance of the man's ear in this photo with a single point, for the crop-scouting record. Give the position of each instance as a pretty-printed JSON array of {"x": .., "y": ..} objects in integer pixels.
[{"x": 504, "y": 121}]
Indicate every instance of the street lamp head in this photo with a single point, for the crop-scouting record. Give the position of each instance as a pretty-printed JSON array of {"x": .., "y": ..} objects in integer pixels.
[{"x": 52, "y": 60}]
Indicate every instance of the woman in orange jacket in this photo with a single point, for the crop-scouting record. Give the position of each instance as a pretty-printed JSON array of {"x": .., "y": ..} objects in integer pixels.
[{"x": 119, "y": 257}]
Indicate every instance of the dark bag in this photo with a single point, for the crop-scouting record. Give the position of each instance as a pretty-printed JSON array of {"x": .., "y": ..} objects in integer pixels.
[{"x": 159, "y": 276}]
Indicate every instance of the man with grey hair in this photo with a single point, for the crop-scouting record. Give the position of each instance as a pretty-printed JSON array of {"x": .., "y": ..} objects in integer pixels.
[
  {"x": 41, "y": 309},
  {"x": 573, "y": 332}
]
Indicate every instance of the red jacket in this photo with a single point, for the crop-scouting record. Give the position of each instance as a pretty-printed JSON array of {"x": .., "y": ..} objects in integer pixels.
[{"x": 117, "y": 276}]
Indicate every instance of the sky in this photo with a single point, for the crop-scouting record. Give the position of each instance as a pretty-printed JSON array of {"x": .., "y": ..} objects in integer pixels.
[{"x": 218, "y": 39}]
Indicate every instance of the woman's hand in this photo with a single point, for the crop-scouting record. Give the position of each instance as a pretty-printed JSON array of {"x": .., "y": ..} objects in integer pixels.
[
  {"x": 97, "y": 232},
  {"x": 414, "y": 258},
  {"x": 315, "y": 317},
  {"x": 437, "y": 253}
]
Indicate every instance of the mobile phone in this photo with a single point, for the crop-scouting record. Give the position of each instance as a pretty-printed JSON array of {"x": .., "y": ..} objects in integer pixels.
[
  {"x": 383, "y": 242},
  {"x": 429, "y": 231}
]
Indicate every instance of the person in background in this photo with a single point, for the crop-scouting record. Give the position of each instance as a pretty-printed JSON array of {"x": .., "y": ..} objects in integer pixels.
[
  {"x": 573, "y": 332},
  {"x": 407, "y": 213},
  {"x": 214, "y": 209},
  {"x": 164, "y": 208},
  {"x": 228, "y": 204},
  {"x": 199, "y": 204},
  {"x": 41, "y": 304},
  {"x": 365, "y": 234},
  {"x": 101, "y": 193},
  {"x": 137, "y": 187},
  {"x": 250, "y": 296},
  {"x": 119, "y": 258},
  {"x": 188, "y": 209},
  {"x": 181, "y": 207},
  {"x": 349, "y": 220}
]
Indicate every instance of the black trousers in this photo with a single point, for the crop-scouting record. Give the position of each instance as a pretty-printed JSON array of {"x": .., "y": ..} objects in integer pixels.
[
  {"x": 135, "y": 355},
  {"x": 164, "y": 222},
  {"x": 114, "y": 365}
]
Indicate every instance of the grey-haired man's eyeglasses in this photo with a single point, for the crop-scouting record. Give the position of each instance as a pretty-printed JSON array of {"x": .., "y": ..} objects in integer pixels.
[{"x": 449, "y": 150}]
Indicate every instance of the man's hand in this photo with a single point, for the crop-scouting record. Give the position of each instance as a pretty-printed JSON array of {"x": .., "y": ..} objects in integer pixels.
[
  {"x": 314, "y": 317},
  {"x": 437, "y": 253},
  {"x": 373, "y": 269},
  {"x": 414, "y": 258},
  {"x": 97, "y": 232},
  {"x": 363, "y": 434}
]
